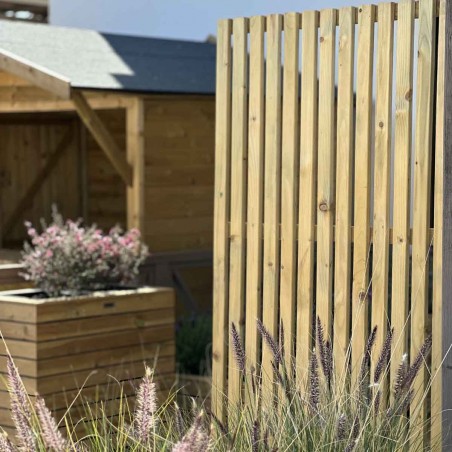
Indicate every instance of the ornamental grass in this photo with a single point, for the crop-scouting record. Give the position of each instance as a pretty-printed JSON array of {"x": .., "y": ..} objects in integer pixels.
[{"x": 317, "y": 408}]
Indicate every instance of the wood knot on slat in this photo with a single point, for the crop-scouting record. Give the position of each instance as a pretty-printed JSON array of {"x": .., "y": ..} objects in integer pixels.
[
  {"x": 409, "y": 94},
  {"x": 323, "y": 206},
  {"x": 322, "y": 39},
  {"x": 381, "y": 124}
]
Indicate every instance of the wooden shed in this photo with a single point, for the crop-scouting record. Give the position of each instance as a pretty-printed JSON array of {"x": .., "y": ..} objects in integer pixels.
[{"x": 114, "y": 129}]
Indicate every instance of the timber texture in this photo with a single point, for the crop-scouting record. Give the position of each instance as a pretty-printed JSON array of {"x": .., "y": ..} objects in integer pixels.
[
  {"x": 332, "y": 183},
  {"x": 145, "y": 161},
  {"x": 96, "y": 344}
]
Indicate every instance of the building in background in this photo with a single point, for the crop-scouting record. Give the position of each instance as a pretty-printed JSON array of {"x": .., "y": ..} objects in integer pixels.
[{"x": 24, "y": 10}]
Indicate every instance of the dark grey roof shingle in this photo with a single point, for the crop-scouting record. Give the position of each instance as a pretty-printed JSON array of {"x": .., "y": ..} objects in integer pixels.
[{"x": 94, "y": 60}]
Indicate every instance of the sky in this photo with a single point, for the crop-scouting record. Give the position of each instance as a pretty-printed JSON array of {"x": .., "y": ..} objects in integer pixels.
[{"x": 179, "y": 19}]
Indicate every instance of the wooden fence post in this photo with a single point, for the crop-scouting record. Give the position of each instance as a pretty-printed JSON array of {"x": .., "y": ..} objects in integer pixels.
[{"x": 446, "y": 333}]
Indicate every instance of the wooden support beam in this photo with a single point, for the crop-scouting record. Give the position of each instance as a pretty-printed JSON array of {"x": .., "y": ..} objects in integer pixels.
[
  {"x": 96, "y": 100},
  {"x": 39, "y": 179},
  {"x": 446, "y": 241},
  {"x": 38, "y": 75},
  {"x": 103, "y": 137},
  {"x": 135, "y": 158}
]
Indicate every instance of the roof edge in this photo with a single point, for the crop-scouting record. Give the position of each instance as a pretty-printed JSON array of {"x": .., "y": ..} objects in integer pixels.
[{"x": 36, "y": 74}]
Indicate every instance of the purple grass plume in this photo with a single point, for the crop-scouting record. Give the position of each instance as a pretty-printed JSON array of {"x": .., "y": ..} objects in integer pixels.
[
  {"x": 282, "y": 340},
  {"x": 270, "y": 342},
  {"x": 377, "y": 401},
  {"x": 364, "y": 370},
  {"x": 385, "y": 354},
  {"x": 314, "y": 385},
  {"x": 237, "y": 348},
  {"x": 195, "y": 440},
  {"x": 325, "y": 352},
  {"x": 255, "y": 434},
  {"x": 51, "y": 436},
  {"x": 5, "y": 443},
  {"x": 400, "y": 376},
  {"x": 144, "y": 416},
  {"x": 417, "y": 364},
  {"x": 178, "y": 420},
  {"x": 341, "y": 428},
  {"x": 20, "y": 408}
]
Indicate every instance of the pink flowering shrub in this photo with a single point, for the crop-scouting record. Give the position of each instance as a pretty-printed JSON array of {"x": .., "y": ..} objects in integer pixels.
[{"x": 68, "y": 258}]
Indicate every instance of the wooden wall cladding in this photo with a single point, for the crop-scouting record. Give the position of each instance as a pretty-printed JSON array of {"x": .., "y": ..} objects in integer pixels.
[
  {"x": 179, "y": 175},
  {"x": 26, "y": 144}
]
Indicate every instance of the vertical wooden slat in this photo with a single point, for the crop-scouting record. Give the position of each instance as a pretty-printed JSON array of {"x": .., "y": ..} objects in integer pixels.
[
  {"x": 402, "y": 181},
  {"x": 255, "y": 188},
  {"x": 382, "y": 163},
  {"x": 221, "y": 217},
  {"x": 325, "y": 170},
  {"x": 421, "y": 205},
  {"x": 307, "y": 191},
  {"x": 289, "y": 166},
  {"x": 272, "y": 189},
  {"x": 135, "y": 158},
  {"x": 446, "y": 248},
  {"x": 437, "y": 281},
  {"x": 361, "y": 239},
  {"x": 238, "y": 196},
  {"x": 344, "y": 188}
]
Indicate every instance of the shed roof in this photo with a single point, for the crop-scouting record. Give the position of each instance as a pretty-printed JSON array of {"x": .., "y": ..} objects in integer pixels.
[{"x": 94, "y": 60}]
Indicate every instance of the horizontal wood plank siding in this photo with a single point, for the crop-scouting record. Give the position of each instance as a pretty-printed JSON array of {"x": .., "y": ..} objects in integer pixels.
[
  {"x": 58, "y": 349},
  {"x": 179, "y": 158}
]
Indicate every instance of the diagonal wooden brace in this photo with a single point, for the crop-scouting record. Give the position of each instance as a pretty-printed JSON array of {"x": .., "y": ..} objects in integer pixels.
[
  {"x": 103, "y": 137},
  {"x": 39, "y": 179}
]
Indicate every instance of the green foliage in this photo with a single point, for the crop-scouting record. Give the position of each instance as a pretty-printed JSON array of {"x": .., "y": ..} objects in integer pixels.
[{"x": 193, "y": 345}]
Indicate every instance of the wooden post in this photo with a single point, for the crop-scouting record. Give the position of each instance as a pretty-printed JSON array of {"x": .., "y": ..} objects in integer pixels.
[
  {"x": 135, "y": 158},
  {"x": 446, "y": 327},
  {"x": 221, "y": 215}
]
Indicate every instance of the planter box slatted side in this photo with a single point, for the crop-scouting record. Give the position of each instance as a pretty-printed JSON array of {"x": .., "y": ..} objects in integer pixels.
[{"x": 63, "y": 345}]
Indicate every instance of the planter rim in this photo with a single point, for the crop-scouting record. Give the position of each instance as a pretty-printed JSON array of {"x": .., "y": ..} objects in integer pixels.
[{"x": 18, "y": 295}]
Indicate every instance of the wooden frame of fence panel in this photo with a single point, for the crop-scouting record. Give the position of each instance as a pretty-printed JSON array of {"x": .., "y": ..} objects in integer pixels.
[
  {"x": 272, "y": 175},
  {"x": 445, "y": 238},
  {"x": 238, "y": 196},
  {"x": 255, "y": 187},
  {"x": 421, "y": 209},
  {"x": 382, "y": 178},
  {"x": 344, "y": 181},
  {"x": 221, "y": 216},
  {"x": 402, "y": 181},
  {"x": 289, "y": 176},
  {"x": 307, "y": 191},
  {"x": 361, "y": 249},
  {"x": 293, "y": 191},
  {"x": 325, "y": 169}
]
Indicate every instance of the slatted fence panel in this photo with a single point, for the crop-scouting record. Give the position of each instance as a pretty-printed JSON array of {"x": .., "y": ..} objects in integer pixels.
[{"x": 323, "y": 202}]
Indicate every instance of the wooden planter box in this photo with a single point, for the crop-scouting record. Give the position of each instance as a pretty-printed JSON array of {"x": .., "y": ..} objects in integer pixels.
[{"x": 61, "y": 345}]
